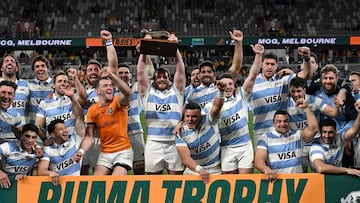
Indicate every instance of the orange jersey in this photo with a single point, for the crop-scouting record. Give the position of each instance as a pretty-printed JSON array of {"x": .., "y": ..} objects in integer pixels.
[{"x": 112, "y": 124}]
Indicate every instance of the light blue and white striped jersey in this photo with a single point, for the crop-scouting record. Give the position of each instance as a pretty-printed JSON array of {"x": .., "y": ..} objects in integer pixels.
[
  {"x": 203, "y": 143},
  {"x": 60, "y": 157},
  {"x": 163, "y": 110},
  {"x": 17, "y": 160},
  {"x": 268, "y": 97},
  {"x": 10, "y": 118},
  {"x": 58, "y": 108},
  {"x": 22, "y": 95},
  {"x": 298, "y": 120},
  {"x": 134, "y": 124},
  {"x": 202, "y": 95},
  {"x": 92, "y": 98},
  {"x": 188, "y": 90},
  {"x": 38, "y": 92},
  {"x": 234, "y": 120},
  {"x": 330, "y": 154},
  {"x": 340, "y": 120},
  {"x": 284, "y": 151}
]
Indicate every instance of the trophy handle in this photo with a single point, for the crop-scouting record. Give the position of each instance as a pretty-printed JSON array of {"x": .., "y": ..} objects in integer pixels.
[{"x": 162, "y": 34}]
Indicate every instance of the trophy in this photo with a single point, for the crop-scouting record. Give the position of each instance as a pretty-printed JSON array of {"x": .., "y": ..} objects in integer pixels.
[{"x": 158, "y": 45}]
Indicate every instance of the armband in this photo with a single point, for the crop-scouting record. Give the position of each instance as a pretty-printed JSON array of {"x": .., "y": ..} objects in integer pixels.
[
  {"x": 108, "y": 42},
  {"x": 347, "y": 85},
  {"x": 198, "y": 168},
  {"x": 81, "y": 151},
  {"x": 221, "y": 94}
]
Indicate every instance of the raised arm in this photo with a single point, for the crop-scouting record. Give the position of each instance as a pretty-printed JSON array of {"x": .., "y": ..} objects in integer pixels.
[
  {"x": 142, "y": 69},
  {"x": 110, "y": 51},
  {"x": 149, "y": 67},
  {"x": 142, "y": 79},
  {"x": 215, "y": 111},
  {"x": 255, "y": 68},
  {"x": 236, "y": 64},
  {"x": 179, "y": 77},
  {"x": 355, "y": 128},
  {"x": 72, "y": 73},
  {"x": 305, "y": 73},
  {"x": 309, "y": 132},
  {"x": 77, "y": 112}
]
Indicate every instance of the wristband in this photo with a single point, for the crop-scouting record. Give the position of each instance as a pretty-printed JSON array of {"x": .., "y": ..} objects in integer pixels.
[
  {"x": 37, "y": 146},
  {"x": 198, "y": 168},
  {"x": 221, "y": 94},
  {"x": 108, "y": 42},
  {"x": 81, "y": 151},
  {"x": 306, "y": 58}
]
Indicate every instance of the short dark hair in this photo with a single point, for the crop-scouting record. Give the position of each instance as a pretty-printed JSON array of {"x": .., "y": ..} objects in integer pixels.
[
  {"x": 51, "y": 126},
  {"x": 298, "y": 82},
  {"x": 30, "y": 127},
  {"x": 93, "y": 61},
  {"x": 312, "y": 54},
  {"x": 40, "y": 58},
  {"x": 207, "y": 63},
  {"x": 195, "y": 68},
  {"x": 330, "y": 68},
  {"x": 271, "y": 56},
  {"x": 281, "y": 112},
  {"x": 161, "y": 69},
  {"x": 8, "y": 83},
  {"x": 327, "y": 122},
  {"x": 97, "y": 82},
  {"x": 123, "y": 65},
  {"x": 60, "y": 72},
  {"x": 192, "y": 106},
  {"x": 355, "y": 73},
  {"x": 225, "y": 75}
]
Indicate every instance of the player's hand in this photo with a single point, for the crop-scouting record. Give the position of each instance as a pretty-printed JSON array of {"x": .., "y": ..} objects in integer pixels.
[{"x": 236, "y": 35}]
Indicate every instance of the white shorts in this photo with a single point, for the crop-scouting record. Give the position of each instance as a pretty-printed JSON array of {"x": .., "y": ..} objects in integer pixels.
[
  {"x": 138, "y": 145},
  {"x": 91, "y": 156},
  {"x": 109, "y": 160},
  {"x": 160, "y": 155},
  {"x": 212, "y": 170},
  {"x": 233, "y": 158}
]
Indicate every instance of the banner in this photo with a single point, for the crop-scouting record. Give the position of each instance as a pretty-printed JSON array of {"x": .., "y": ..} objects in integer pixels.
[
  {"x": 342, "y": 188},
  {"x": 183, "y": 41},
  {"x": 170, "y": 188},
  {"x": 34, "y": 43}
]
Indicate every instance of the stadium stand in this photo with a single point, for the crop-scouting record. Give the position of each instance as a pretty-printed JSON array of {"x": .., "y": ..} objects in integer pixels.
[
  {"x": 60, "y": 18},
  {"x": 186, "y": 18}
]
